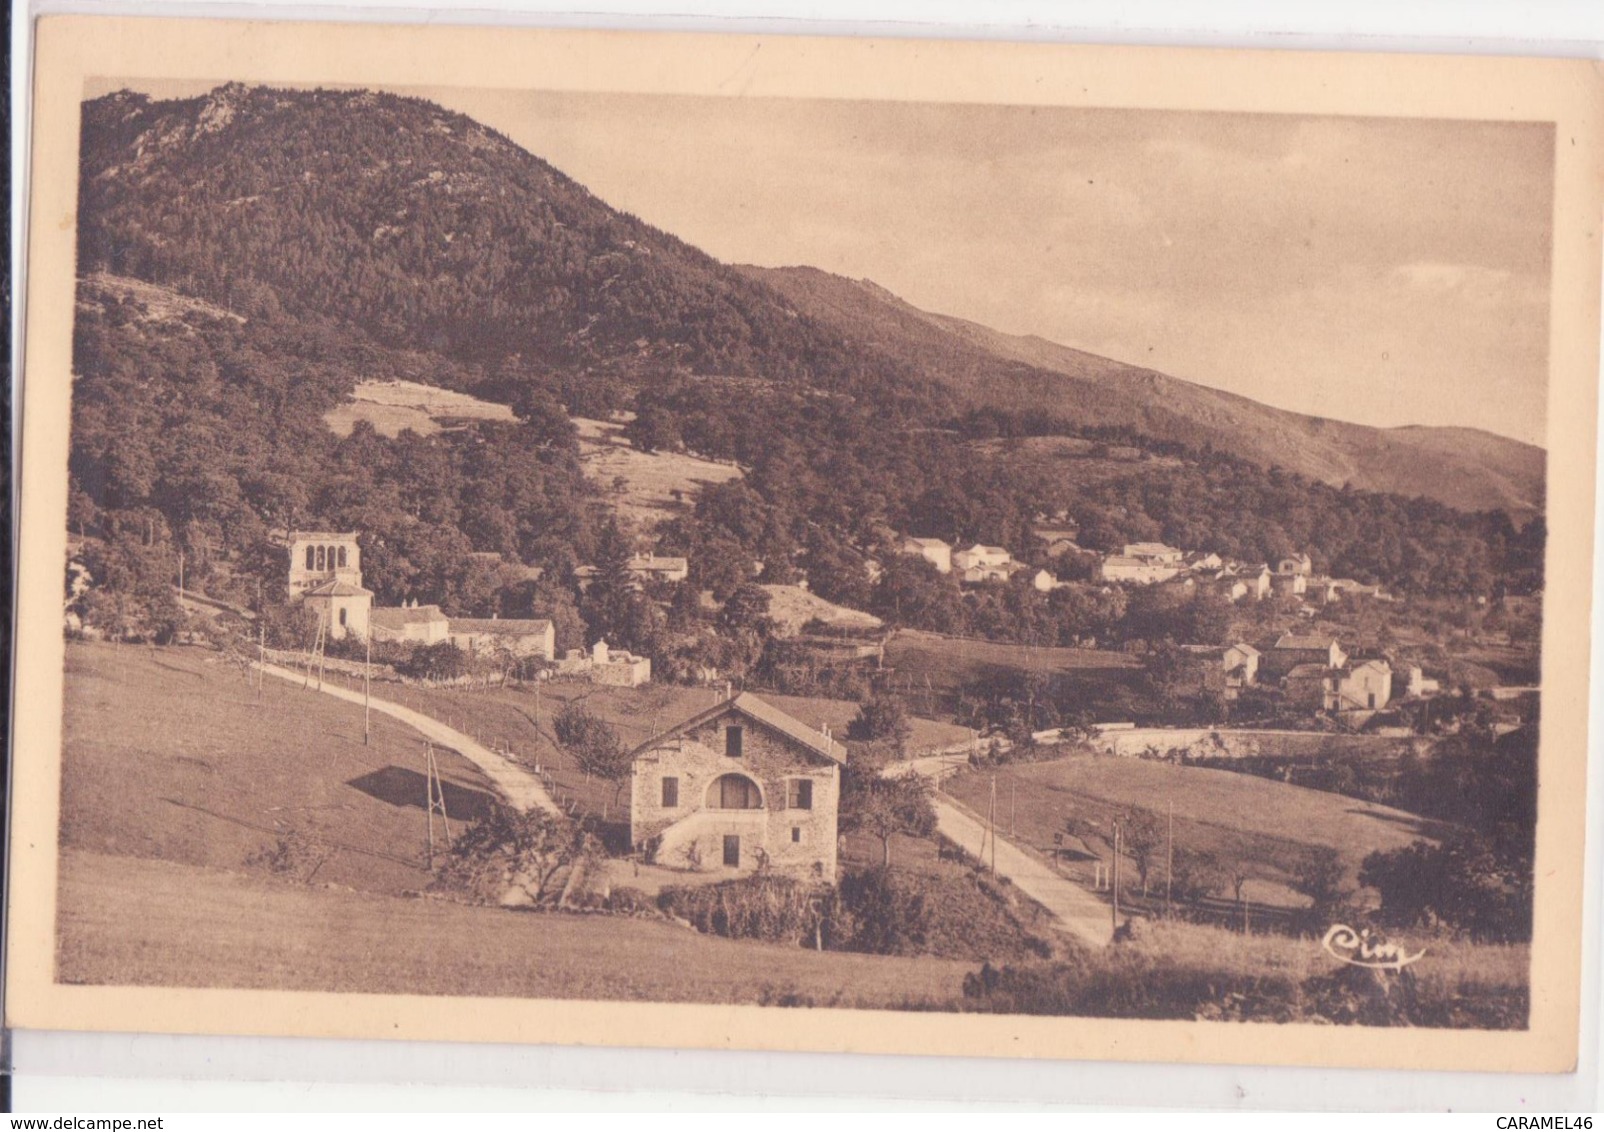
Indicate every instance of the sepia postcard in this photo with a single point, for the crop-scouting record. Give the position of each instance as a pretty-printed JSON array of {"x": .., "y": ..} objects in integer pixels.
[{"x": 918, "y": 547}]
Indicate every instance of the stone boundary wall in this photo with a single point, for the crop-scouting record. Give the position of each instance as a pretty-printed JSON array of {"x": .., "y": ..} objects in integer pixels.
[{"x": 1225, "y": 743}]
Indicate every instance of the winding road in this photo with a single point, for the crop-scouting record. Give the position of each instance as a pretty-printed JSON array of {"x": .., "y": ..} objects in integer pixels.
[
  {"x": 1078, "y": 912},
  {"x": 521, "y": 789}
]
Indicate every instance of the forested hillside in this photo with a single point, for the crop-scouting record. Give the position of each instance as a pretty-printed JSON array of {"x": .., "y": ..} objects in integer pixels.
[
  {"x": 247, "y": 257},
  {"x": 426, "y": 230}
]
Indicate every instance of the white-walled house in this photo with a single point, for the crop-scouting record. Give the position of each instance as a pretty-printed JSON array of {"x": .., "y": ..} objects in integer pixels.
[
  {"x": 933, "y": 550},
  {"x": 1139, "y": 571},
  {"x": 1365, "y": 686}
]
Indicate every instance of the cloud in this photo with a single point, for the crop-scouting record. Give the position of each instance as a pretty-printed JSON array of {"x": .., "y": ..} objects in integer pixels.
[{"x": 1487, "y": 287}]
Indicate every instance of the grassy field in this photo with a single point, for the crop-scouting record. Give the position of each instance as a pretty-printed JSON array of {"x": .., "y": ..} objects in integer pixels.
[
  {"x": 1265, "y": 825},
  {"x": 159, "y": 923},
  {"x": 169, "y": 754},
  {"x": 923, "y": 660}
]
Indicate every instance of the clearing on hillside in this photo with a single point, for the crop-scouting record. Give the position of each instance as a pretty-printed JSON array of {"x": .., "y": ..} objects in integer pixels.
[
  {"x": 644, "y": 488},
  {"x": 791, "y": 607},
  {"x": 392, "y": 407}
]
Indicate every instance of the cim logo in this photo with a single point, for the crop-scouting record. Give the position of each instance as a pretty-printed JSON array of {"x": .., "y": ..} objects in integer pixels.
[{"x": 1357, "y": 949}]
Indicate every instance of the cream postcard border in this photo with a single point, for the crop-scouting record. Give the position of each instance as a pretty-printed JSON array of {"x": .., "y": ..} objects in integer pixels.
[{"x": 72, "y": 49}]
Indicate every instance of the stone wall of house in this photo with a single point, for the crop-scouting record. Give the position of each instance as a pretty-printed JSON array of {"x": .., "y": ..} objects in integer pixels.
[{"x": 691, "y": 834}]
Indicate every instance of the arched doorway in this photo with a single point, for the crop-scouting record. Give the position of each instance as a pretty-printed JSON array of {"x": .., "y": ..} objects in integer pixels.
[{"x": 734, "y": 792}]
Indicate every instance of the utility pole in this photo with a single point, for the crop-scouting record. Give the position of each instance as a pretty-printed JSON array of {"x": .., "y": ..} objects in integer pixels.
[
  {"x": 1169, "y": 861},
  {"x": 1013, "y": 805},
  {"x": 261, "y": 660},
  {"x": 367, "y": 694},
  {"x": 1114, "y": 869},
  {"x": 991, "y": 823}
]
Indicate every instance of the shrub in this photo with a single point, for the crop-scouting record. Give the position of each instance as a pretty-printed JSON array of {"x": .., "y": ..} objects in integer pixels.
[
  {"x": 770, "y": 908},
  {"x": 511, "y": 849},
  {"x": 628, "y": 901}
]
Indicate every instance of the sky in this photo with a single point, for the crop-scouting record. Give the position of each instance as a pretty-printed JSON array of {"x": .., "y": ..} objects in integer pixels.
[{"x": 1384, "y": 271}]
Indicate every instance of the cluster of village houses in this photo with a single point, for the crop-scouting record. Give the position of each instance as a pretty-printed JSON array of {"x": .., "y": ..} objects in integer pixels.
[
  {"x": 1314, "y": 671},
  {"x": 325, "y": 574},
  {"x": 1145, "y": 564}
]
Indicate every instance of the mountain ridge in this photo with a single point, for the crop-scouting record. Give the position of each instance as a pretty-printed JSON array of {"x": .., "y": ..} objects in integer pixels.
[
  {"x": 425, "y": 230},
  {"x": 1501, "y": 472}
]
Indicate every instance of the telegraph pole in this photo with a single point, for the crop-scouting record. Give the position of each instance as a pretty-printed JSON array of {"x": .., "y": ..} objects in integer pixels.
[
  {"x": 367, "y": 693},
  {"x": 1115, "y": 878},
  {"x": 991, "y": 822},
  {"x": 1169, "y": 861}
]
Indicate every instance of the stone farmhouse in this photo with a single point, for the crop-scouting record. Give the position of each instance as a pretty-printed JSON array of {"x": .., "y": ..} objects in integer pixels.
[
  {"x": 515, "y": 636},
  {"x": 1292, "y": 650},
  {"x": 1294, "y": 564},
  {"x": 738, "y": 787},
  {"x": 410, "y": 624}
]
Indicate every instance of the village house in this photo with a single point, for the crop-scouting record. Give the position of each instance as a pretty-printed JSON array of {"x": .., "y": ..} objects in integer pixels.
[
  {"x": 932, "y": 550},
  {"x": 1304, "y": 686},
  {"x": 1058, "y": 538},
  {"x": 660, "y": 568},
  {"x": 1364, "y": 686},
  {"x": 1232, "y": 588},
  {"x": 738, "y": 787},
  {"x": 644, "y": 569},
  {"x": 410, "y": 624},
  {"x": 603, "y": 665},
  {"x": 515, "y": 636},
  {"x": 1155, "y": 552},
  {"x": 981, "y": 557},
  {"x": 1204, "y": 561},
  {"x": 1139, "y": 571},
  {"x": 1043, "y": 581},
  {"x": 1418, "y": 686},
  {"x": 1294, "y": 564},
  {"x": 1241, "y": 664},
  {"x": 1289, "y": 585},
  {"x": 1324, "y": 590},
  {"x": 1258, "y": 582},
  {"x": 1292, "y": 649}
]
